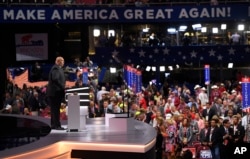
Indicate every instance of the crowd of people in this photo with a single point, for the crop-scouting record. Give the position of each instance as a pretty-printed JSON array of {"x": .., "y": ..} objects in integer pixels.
[{"x": 209, "y": 116}]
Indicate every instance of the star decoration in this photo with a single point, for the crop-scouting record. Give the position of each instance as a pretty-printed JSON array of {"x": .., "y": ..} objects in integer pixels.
[
  {"x": 156, "y": 51},
  {"x": 151, "y": 55},
  {"x": 247, "y": 49},
  {"x": 132, "y": 50},
  {"x": 141, "y": 53},
  {"x": 193, "y": 54},
  {"x": 115, "y": 53},
  {"x": 231, "y": 51},
  {"x": 219, "y": 57},
  {"x": 211, "y": 52},
  {"x": 166, "y": 51}
]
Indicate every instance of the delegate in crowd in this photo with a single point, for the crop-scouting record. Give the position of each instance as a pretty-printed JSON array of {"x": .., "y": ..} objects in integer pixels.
[{"x": 181, "y": 116}]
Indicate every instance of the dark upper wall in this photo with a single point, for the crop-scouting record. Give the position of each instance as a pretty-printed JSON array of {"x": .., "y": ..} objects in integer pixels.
[{"x": 56, "y": 44}]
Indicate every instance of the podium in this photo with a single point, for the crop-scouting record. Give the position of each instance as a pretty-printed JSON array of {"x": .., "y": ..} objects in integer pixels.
[
  {"x": 83, "y": 116},
  {"x": 73, "y": 113},
  {"x": 76, "y": 114},
  {"x": 119, "y": 122}
]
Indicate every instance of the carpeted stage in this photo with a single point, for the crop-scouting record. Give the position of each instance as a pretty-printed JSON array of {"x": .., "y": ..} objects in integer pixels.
[{"x": 95, "y": 141}]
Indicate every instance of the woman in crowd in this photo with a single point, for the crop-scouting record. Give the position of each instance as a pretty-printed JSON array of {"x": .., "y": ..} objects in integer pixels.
[
  {"x": 185, "y": 133},
  {"x": 170, "y": 138}
]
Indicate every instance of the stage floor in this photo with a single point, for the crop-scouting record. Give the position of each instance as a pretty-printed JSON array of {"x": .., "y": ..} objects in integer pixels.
[{"x": 95, "y": 138}]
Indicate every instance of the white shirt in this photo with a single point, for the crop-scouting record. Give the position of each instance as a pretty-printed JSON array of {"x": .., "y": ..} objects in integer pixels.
[
  {"x": 244, "y": 121},
  {"x": 203, "y": 97}
]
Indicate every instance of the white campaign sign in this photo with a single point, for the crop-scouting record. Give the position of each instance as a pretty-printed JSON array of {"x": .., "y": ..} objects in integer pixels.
[{"x": 31, "y": 46}]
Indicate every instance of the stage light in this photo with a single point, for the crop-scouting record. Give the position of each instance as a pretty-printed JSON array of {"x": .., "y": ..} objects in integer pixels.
[
  {"x": 230, "y": 65},
  {"x": 145, "y": 30},
  {"x": 170, "y": 68},
  {"x": 241, "y": 27},
  {"x": 111, "y": 33},
  {"x": 177, "y": 66},
  {"x": 196, "y": 26},
  {"x": 153, "y": 68},
  {"x": 148, "y": 68},
  {"x": 215, "y": 30},
  {"x": 182, "y": 28},
  {"x": 171, "y": 30},
  {"x": 112, "y": 70},
  {"x": 223, "y": 26},
  {"x": 96, "y": 32},
  {"x": 162, "y": 69},
  {"x": 204, "y": 29}
]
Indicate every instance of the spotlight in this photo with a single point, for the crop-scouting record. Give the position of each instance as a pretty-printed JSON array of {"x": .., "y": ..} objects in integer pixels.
[
  {"x": 162, "y": 68},
  {"x": 196, "y": 26},
  {"x": 153, "y": 68},
  {"x": 112, "y": 70},
  {"x": 230, "y": 65},
  {"x": 223, "y": 26},
  {"x": 148, "y": 68},
  {"x": 170, "y": 68}
]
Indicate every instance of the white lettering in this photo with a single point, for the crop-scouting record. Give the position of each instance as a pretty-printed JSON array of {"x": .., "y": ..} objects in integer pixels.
[
  {"x": 88, "y": 14},
  {"x": 8, "y": 14},
  {"x": 20, "y": 15},
  {"x": 183, "y": 14},
  {"x": 30, "y": 14},
  {"x": 41, "y": 14},
  {"x": 24, "y": 15},
  {"x": 159, "y": 14},
  {"x": 113, "y": 15},
  {"x": 240, "y": 150},
  {"x": 138, "y": 14},
  {"x": 78, "y": 14},
  {"x": 221, "y": 12},
  {"x": 56, "y": 15},
  {"x": 194, "y": 13},
  {"x": 204, "y": 13},
  {"x": 103, "y": 14},
  {"x": 169, "y": 11},
  {"x": 68, "y": 14},
  {"x": 128, "y": 14},
  {"x": 150, "y": 14}
]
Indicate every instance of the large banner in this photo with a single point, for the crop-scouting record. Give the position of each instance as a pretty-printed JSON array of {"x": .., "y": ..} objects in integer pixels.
[
  {"x": 207, "y": 74},
  {"x": 133, "y": 78},
  {"x": 245, "y": 83},
  {"x": 31, "y": 46},
  {"x": 83, "y": 14}
]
